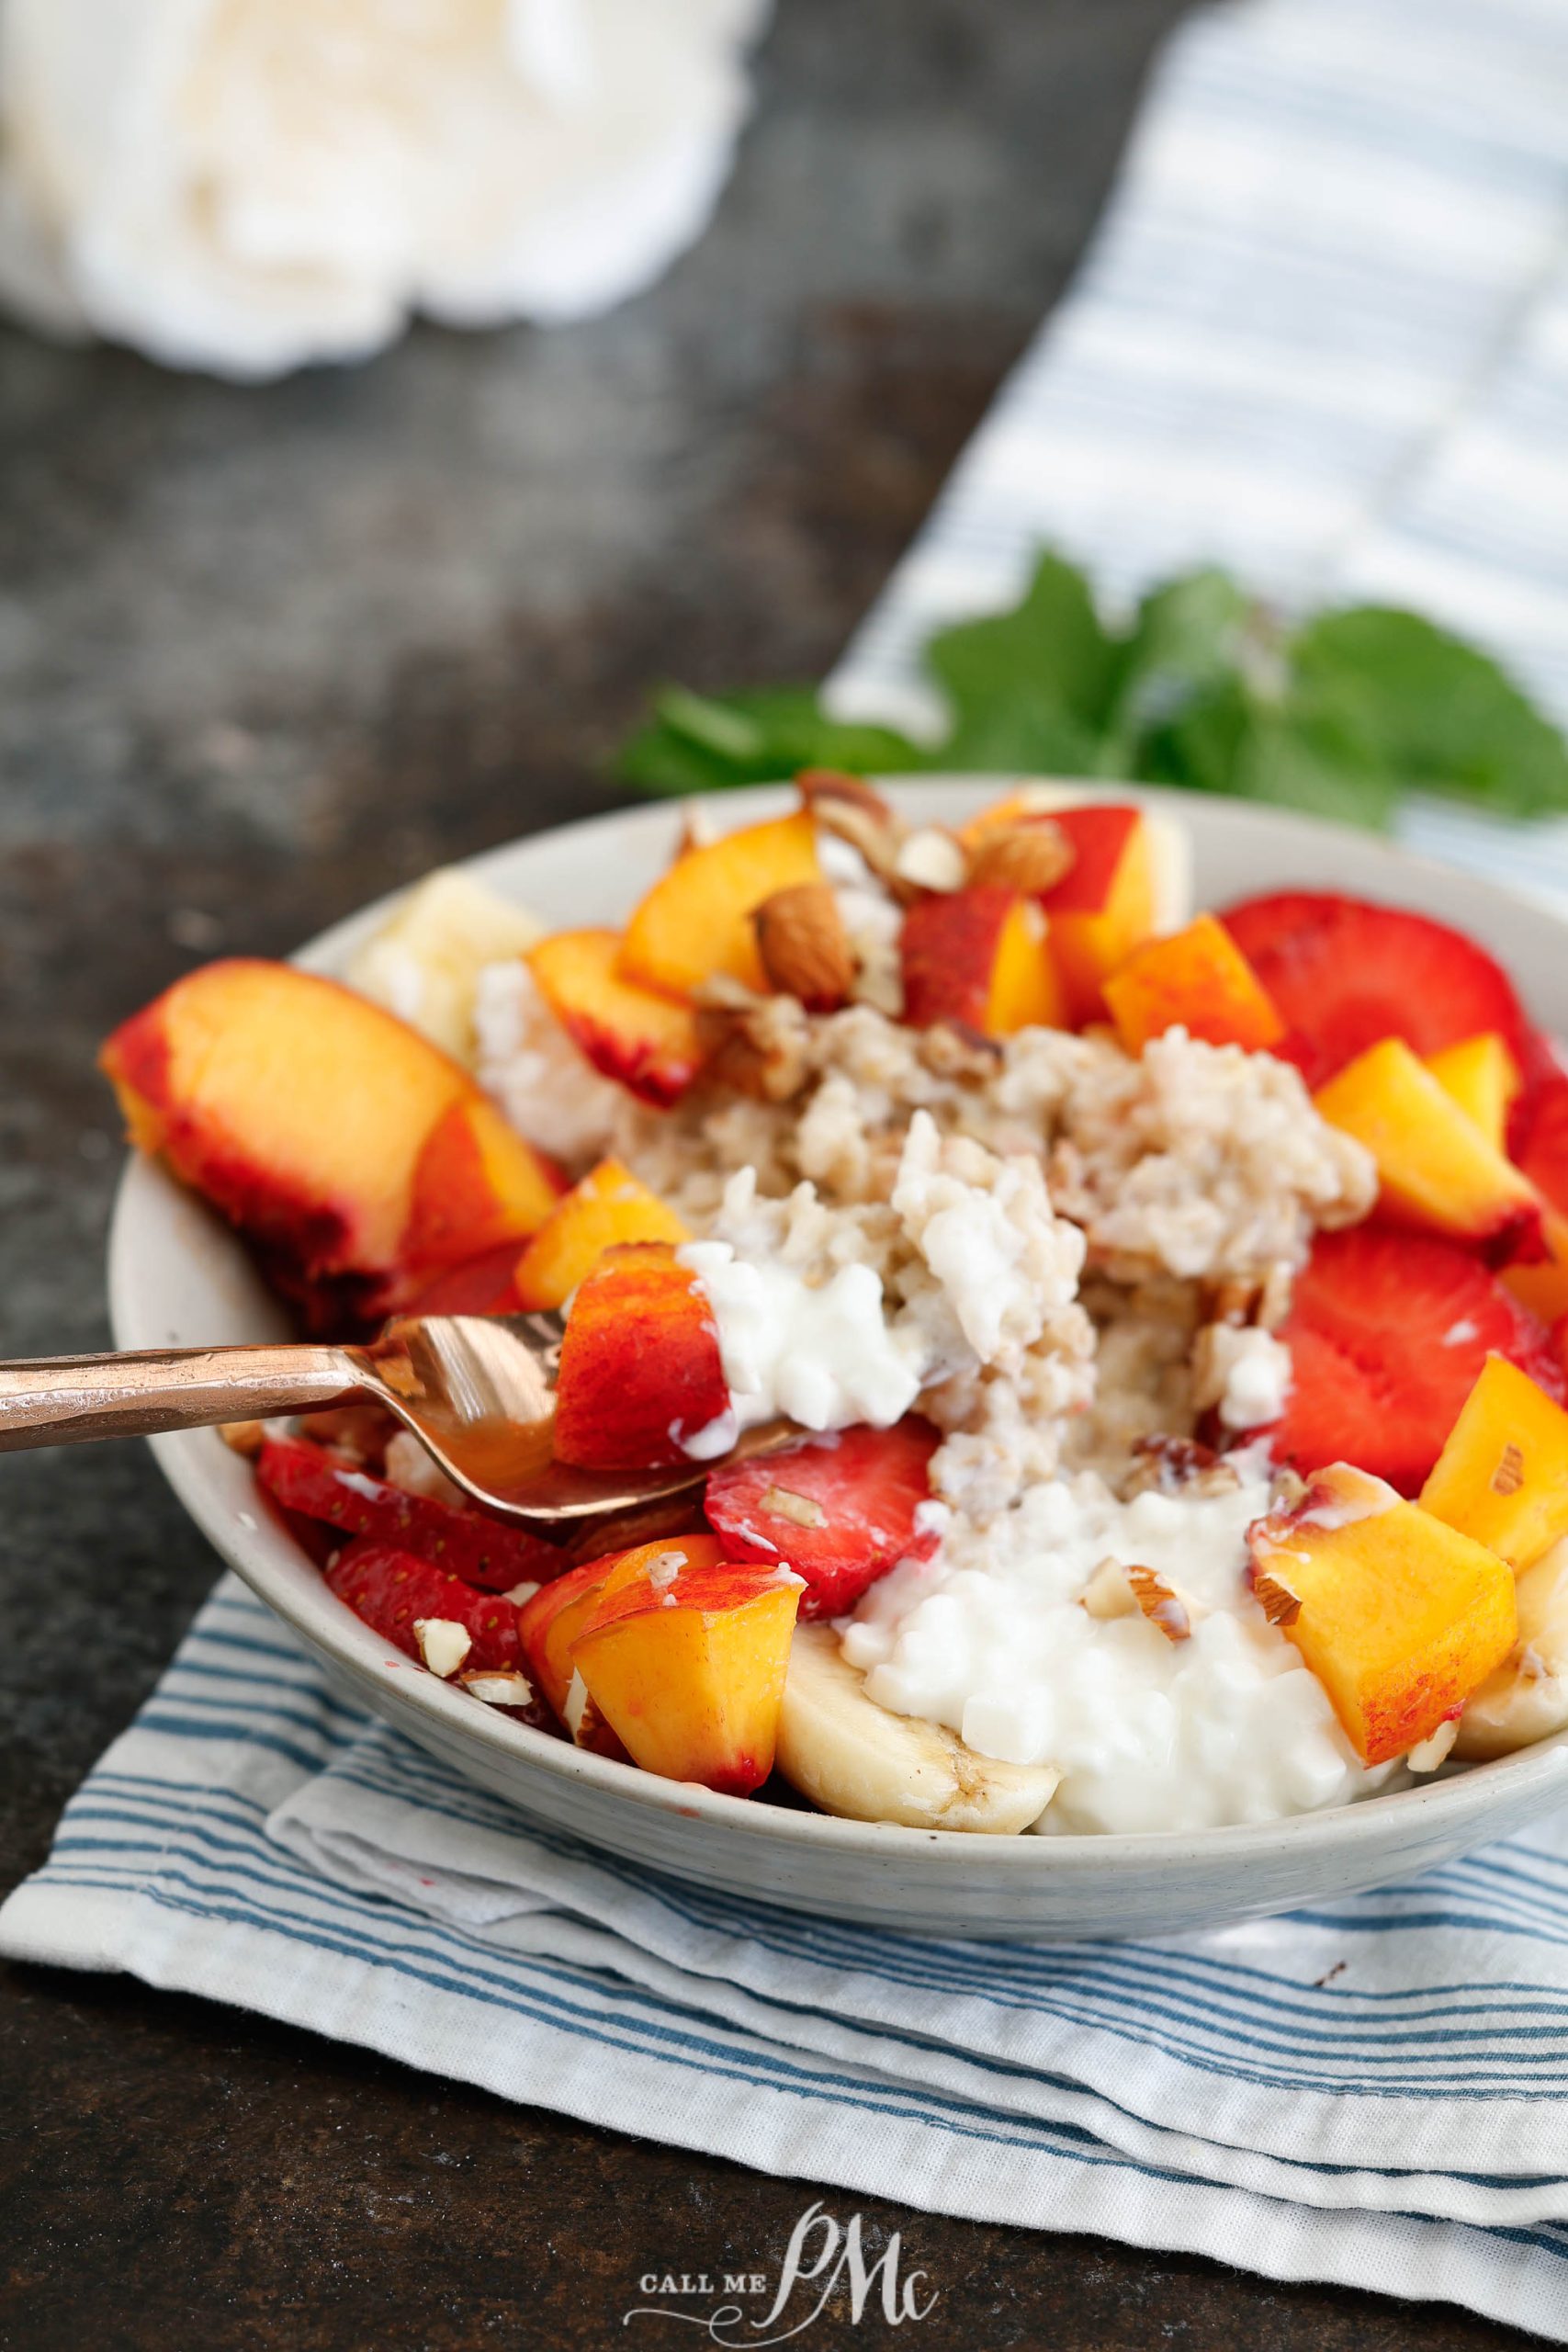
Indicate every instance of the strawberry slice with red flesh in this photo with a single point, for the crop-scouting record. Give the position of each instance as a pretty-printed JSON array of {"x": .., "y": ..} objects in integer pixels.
[
  {"x": 839, "y": 1508},
  {"x": 391, "y": 1589},
  {"x": 307, "y": 1480},
  {"x": 1346, "y": 974},
  {"x": 1387, "y": 1333},
  {"x": 1539, "y": 1137}
]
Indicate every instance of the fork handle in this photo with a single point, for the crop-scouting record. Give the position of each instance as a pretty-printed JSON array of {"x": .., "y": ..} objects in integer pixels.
[{"x": 62, "y": 1400}]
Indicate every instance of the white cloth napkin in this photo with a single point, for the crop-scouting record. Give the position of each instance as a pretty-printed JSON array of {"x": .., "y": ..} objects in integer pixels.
[{"x": 1325, "y": 338}]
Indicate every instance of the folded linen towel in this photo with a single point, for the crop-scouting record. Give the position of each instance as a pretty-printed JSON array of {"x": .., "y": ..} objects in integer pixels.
[
  {"x": 1325, "y": 338},
  {"x": 1378, "y": 2082}
]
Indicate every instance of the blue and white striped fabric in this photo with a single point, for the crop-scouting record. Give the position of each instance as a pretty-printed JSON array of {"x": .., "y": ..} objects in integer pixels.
[
  {"x": 1379, "y": 2082},
  {"x": 1322, "y": 338}
]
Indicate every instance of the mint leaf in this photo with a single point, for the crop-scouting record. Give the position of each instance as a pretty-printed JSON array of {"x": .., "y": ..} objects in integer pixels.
[
  {"x": 1049, "y": 658},
  {"x": 706, "y": 742},
  {"x": 1440, "y": 715},
  {"x": 1185, "y": 639}
]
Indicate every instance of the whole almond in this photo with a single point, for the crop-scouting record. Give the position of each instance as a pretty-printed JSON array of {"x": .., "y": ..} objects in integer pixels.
[
  {"x": 1031, "y": 858},
  {"x": 804, "y": 947}
]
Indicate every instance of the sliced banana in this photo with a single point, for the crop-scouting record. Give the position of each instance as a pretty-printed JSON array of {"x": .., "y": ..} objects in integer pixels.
[
  {"x": 1527, "y": 1697},
  {"x": 1171, "y": 846},
  {"x": 424, "y": 963},
  {"x": 853, "y": 1758}
]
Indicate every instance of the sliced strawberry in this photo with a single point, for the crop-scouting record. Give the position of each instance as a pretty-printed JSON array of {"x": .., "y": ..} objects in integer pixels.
[
  {"x": 306, "y": 1479},
  {"x": 391, "y": 1590},
  {"x": 1539, "y": 1140},
  {"x": 1346, "y": 974},
  {"x": 1387, "y": 1333},
  {"x": 865, "y": 1484}
]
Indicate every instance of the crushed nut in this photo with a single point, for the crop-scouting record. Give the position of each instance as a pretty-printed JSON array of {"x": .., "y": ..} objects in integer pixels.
[
  {"x": 931, "y": 860},
  {"x": 1119, "y": 1590},
  {"x": 802, "y": 1509},
  {"x": 443, "y": 1644},
  {"x": 847, "y": 807},
  {"x": 1428, "y": 1754},
  {"x": 804, "y": 947},
  {"x": 1179, "y": 1465},
  {"x": 1274, "y": 1597},
  {"x": 1029, "y": 857},
  {"x": 498, "y": 1690},
  {"x": 759, "y": 1049},
  {"x": 952, "y": 1049}
]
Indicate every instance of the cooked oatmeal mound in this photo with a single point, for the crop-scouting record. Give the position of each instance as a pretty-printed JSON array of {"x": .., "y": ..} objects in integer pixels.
[{"x": 1076, "y": 1249}]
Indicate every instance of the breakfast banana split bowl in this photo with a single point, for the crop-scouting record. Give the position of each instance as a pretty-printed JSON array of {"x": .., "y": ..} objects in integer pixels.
[{"x": 1150, "y": 1216}]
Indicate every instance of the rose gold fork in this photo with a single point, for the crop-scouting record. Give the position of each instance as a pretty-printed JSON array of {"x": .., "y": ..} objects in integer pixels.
[{"x": 476, "y": 1391}]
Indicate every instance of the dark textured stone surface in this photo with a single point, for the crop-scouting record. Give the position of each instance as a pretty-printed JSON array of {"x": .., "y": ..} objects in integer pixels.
[{"x": 261, "y": 654}]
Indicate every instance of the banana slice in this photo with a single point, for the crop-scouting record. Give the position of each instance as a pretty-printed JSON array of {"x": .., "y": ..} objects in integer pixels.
[
  {"x": 1527, "y": 1697},
  {"x": 424, "y": 963},
  {"x": 853, "y": 1758},
  {"x": 1171, "y": 846}
]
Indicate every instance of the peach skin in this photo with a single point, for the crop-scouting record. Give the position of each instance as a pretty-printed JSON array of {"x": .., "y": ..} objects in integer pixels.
[
  {"x": 1436, "y": 1169},
  {"x": 1399, "y": 1616},
  {"x": 606, "y": 1206},
  {"x": 630, "y": 1033},
  {"x": 695, "y": 923},
  {"x": 1197, "y": 980},
  {"x": 687, "y": 1667}
]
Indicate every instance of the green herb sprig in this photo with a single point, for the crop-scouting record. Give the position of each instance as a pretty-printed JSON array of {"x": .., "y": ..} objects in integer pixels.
[{"x": 1341, "y": 714}]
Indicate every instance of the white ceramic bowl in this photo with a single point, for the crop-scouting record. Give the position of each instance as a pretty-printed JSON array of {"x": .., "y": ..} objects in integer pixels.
[{"x": 178, "y": 1277}]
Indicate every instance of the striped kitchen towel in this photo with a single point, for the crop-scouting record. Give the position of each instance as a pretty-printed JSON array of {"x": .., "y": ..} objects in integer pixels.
[
  {"x": 1324, "y": 338},
  {"x": 1321, "y": 338},
  {"x": 1369, "y": 2093}
]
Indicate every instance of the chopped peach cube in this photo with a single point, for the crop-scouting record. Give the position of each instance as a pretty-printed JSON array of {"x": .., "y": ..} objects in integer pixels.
[
  {"x": 1105, "y": 905},
  {"x": 1399, "y": 1616},
  {"x": 980, "y": 957},
  {"x": 1503, "y": 1474},
  {"x": 627, "y": 1032},
  {"x": 696, "y": 923},
  {"x": 1484, "y": 1078},
  {"x": 608, "y": 1205},
  {"x": 687, "y": 1667},
  {"x": 549, "y": 1623},
  {"x": 1436, "y": 1169},
  {"x": 1199, "y": 980}
]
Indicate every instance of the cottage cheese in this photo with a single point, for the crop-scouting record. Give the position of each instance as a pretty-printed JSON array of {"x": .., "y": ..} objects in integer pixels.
[
  {"x": 550, "y": 1093},
  {"x": 991, "y": 1639}
]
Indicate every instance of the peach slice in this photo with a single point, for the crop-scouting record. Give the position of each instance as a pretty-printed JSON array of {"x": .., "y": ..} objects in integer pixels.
[
  {"x": 628, "y": 1032},
  {"x": 1399, "y": 1616},
  {"x": 687, "y": 1667},
  {"x": 696, "y": 923},
  {"x": 1484, "y": 1078},
  {"x": 1199, "y": 978},
  {"x": 476, "y": 1185},
  {"x": 549, "y": 1623},
  {"x": 641, "y": 1371},
  {"x": 1503, "y": 1474},
  {"x": 606, "y": 1206},
  {"x": 980, "y": 957},
  {"x": 299, "y": 1109},
  {"x": 1105, "y": 905},
  {"x": 1436, "y": 1169}
]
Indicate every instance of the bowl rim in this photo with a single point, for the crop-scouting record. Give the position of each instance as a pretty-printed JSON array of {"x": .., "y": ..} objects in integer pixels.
[{"x": 325, "y": 1625}]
